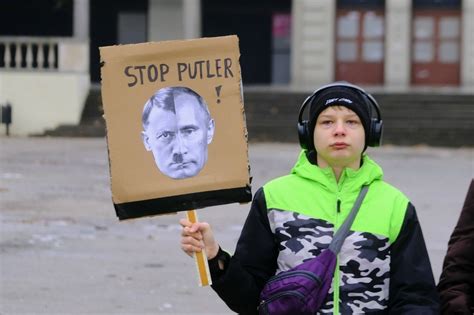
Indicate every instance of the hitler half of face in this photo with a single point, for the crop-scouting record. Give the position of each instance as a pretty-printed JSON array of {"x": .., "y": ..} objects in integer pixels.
[{"x": 178, "y": 135}]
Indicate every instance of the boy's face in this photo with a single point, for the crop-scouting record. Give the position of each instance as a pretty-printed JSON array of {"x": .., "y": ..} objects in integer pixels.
[{"x": 339, "y": 138}]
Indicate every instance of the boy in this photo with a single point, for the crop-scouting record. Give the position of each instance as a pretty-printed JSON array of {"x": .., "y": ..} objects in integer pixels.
[{"x": 383, "y": 266}]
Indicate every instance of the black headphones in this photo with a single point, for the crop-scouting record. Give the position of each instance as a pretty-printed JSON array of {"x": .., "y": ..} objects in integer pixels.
[{"x": 374, "y": 137}]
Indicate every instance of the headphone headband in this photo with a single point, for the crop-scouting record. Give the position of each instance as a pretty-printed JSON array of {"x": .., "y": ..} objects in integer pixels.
[{"x": 374, "y": 136}]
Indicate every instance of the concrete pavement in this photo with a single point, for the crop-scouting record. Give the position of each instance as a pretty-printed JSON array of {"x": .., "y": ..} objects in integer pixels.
[{"x": 62, "y": 250}]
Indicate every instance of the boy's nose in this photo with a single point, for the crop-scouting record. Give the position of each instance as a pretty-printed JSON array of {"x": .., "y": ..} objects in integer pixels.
[{"x": 339, "y": 128}]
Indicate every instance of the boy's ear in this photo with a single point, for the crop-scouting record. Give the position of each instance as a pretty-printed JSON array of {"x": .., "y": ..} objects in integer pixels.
[{"x": 145, "y": 139}]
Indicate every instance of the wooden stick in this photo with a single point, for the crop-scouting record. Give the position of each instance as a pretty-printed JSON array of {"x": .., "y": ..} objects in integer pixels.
[{"x": 200, "y": 258}]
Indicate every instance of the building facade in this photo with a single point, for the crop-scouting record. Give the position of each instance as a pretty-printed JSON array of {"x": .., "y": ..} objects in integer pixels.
[{"x": 391, "y": 45}]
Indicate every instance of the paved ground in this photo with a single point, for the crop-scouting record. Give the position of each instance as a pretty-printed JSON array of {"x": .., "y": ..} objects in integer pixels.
[{"x": 62, "y": 250}]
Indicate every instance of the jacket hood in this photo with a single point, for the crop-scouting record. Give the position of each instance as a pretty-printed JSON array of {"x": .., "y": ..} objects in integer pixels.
[{"x": 350, "y": 179}]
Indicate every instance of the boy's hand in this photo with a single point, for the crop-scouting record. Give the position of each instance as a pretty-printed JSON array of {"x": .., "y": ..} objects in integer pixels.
[{"x": 196, "y": 236}]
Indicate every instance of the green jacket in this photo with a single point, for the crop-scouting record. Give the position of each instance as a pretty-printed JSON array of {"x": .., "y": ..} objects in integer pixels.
[
  {"x": 311, "y": 196},
  {"x": 294, "y": 217}
]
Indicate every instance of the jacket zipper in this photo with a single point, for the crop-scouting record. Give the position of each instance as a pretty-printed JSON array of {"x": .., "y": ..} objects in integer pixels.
[
  {"x": 336, "y": 271},
  {"x": 335, "y": 280}
]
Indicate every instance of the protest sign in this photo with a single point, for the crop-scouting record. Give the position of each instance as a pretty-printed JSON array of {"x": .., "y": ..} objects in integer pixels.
[{"x": 176, "y": 132}]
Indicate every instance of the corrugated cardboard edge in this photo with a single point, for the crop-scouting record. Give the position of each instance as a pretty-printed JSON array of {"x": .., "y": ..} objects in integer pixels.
[
  {"x": 102, "y": 65},
  {"x": 174, "y": 204}
]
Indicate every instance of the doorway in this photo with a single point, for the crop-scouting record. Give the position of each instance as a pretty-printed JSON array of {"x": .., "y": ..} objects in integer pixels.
[
  {"x": 360, "y": 45},
  {"x": 436, "y": 42}
]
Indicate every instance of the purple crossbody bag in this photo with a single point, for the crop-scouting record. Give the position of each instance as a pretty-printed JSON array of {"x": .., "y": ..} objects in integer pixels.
[{"x": 303, "y": 289}]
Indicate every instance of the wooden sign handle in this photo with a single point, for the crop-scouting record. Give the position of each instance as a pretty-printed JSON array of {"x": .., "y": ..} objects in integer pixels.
[{"x": 200, "y": 258}]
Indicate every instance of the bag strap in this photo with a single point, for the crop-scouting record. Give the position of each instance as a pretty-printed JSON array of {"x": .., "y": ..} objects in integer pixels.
[{"x": 343, "y": 231}]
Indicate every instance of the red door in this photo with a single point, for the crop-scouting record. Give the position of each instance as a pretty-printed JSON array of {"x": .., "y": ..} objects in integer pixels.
[
  {"x": 436, "y": 47},
  {"x": 360, "y": 45}
]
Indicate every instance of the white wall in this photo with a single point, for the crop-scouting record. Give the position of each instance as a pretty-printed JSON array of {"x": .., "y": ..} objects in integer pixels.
[
  {"x": 81, "y": 19},
  {"x": 174, "y": 19},
  {"x": 165, "y": 20},
  {"x": 467, "y": 61},
  {"x": 43, "y": 100},
  {"x": 192, "y": 18},
  {"x": 397, "y": 43},
  {"x": 73, "y": 56},
  {"x": 312, "y": 47}
]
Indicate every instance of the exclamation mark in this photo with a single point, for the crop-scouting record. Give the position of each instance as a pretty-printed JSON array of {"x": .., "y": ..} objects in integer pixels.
[{"x": 218, "y": 92}]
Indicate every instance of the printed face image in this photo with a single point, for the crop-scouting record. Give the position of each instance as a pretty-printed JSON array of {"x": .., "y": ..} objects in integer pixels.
[{"x": 178, "y": 139}]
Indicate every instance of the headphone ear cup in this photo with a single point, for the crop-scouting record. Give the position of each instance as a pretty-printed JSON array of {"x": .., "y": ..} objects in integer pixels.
[
  {"x": 303, "y": 134},
  {"x": 376, "y": 132}
]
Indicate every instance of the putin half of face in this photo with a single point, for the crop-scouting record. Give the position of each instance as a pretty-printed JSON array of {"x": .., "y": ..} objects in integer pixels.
[{"x": 179, "y": 138}]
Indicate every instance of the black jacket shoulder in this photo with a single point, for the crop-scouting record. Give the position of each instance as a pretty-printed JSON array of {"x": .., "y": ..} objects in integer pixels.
[
  {"x": 254, "y": 262},
  {"x": 412, "y": 286}
]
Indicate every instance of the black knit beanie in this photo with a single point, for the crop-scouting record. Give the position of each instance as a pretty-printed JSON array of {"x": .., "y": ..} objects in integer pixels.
[{"x": 340, "y": 96}]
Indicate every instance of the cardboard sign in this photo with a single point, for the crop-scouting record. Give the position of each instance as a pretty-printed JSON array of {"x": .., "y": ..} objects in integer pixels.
[{"x": 176, "y": 131}]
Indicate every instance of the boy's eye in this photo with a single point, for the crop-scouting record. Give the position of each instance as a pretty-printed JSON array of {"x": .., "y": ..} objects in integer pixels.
[{"x": 352, "y": 122}]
